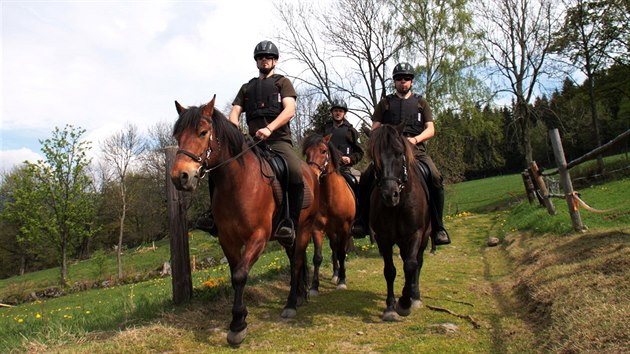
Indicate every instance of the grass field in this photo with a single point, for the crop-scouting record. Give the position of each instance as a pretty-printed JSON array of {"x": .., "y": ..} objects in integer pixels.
[{"x": 545, "y": 288}]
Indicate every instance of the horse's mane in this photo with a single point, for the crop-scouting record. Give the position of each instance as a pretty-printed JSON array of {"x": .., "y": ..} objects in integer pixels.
[
  {"x": 316, "y": 139},
  {"x": 226, "y": 132},
  {"x": 388, "y": 138}
]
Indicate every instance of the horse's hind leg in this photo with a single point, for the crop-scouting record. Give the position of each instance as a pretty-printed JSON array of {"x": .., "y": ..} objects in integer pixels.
[{"x": 318, "y": 240}]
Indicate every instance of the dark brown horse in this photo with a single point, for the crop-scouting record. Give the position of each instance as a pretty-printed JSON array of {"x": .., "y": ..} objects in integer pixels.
[
  {"x": 336, "y": 207},
  {"x": 243, "y": 201},
  {"x": 399, "y": 215}
]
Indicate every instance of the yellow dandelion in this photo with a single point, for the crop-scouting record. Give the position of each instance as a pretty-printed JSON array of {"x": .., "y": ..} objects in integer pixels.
[
  {"x": 20, "y": 320},
  {"x": 38, "y": 316},
  {"x": 87, "y": 312}
]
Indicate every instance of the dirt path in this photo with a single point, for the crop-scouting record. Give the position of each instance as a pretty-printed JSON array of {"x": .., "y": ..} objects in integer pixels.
[{"x": 465, "y": 309}]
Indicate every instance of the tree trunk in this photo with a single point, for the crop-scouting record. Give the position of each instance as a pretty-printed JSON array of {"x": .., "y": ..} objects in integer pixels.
[
  {"x": 64, "y": 259},
  {"x": 120, "y": 234},
  {"x": 595, "y": 122},
  {"x": 22, "y": 264}
]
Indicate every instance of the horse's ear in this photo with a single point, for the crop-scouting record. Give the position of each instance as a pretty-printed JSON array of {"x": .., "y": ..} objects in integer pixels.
[
  {"x": 327, "y": 138},
  {"x": 209, "y": 108},
  {"x": 179, "y": 107}
]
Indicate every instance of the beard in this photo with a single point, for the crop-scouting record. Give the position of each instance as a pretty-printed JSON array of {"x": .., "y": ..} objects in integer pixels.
[
  {"x": 266, "y": 71},
  {"x": 403, "y": 92}
]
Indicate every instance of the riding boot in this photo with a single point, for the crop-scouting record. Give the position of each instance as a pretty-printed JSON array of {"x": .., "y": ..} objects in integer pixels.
[
  {"x": 441, "y": 237},
  {"x": 206, "y": 221},
  {"x": 288, "y": 228},
  {"x": 361, "y": 224}
]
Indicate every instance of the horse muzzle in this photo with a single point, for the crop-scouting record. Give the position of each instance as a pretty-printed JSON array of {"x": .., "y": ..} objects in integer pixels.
[
  {"x": 390, "y": 193},
  {"x": 185, "y": 179}
]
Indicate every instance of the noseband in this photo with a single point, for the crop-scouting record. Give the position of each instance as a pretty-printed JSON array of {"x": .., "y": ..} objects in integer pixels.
[
  {"x": 399, "y": 180},
  {"x": 203, "y": 158},
  {"x": 321, "y": 168}
]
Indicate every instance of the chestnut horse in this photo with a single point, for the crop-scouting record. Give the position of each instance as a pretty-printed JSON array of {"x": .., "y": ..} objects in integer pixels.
[
  {"x": 336, "y": 207},
  {"x": 243, "y": 201},
  {"x": 399, "y": 215}
]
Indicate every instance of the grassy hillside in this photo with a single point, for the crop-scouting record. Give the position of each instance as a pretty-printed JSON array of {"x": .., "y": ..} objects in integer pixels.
[{"x": 545, "y": 288}]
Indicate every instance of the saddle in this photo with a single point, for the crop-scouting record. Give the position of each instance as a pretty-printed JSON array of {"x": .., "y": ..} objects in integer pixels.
[{"x": 279, "y": 184}]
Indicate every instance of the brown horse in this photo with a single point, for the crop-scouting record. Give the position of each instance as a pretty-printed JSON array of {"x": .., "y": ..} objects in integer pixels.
[
  {"x": 336, "y": 207},
  {"x": 399, "y": 215},
  {"x": 243, "y": 201}
]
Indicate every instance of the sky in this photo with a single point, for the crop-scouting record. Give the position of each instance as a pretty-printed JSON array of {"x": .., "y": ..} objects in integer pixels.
[{"x": 100, "y": 65}]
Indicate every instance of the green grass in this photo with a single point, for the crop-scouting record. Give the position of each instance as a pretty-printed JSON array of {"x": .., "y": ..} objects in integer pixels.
[
  {"x": 62, "y": 320},
  {"x": 537, "y": 292},
  {"x": 136, "y": 262},
  {"x": 484, "y": 195}
]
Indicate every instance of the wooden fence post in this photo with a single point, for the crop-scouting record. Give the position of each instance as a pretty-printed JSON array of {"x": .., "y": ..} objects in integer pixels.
[
  {"x": 565, "y": 179},
  {"x": 180, "y": 256},
  {"x": 529, "y": 187},
  {"x": 539, "y": 183}
]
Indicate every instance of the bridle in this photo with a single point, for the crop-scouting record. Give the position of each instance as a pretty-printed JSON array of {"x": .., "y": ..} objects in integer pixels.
[
  {"x": 321, "y": 168},
  {"x": 400, "y": 181},
  {"x": 205, "y": 156}
]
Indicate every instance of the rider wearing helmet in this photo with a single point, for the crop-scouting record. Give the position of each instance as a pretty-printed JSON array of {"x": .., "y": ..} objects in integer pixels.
[
  {"x": 405, "y": 107},
  {"x": 343, "y": 135},
  {"x": 268, "y": 101}
]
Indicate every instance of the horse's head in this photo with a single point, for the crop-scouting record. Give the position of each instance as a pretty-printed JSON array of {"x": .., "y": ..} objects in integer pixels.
[
  {"x": 207, "y": 140},
  {"x": 315, "y": 149},
  {"x": 320, "y": 153},
  {"x": 391, "y": 154}
]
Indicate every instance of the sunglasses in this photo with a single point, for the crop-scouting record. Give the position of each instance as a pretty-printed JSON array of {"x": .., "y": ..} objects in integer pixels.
[
  {"x": 268, "y": 57},
  {"x": 403, "y": 78}
]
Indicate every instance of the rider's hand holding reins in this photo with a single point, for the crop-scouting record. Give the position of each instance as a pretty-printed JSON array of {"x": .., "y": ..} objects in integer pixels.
[{"x": 263, "y": 133}]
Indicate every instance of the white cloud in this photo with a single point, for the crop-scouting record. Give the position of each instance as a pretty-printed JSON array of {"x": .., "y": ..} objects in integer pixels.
[
  {"x": 99, "y": 65},
  {"x": 13, "y": 158}
]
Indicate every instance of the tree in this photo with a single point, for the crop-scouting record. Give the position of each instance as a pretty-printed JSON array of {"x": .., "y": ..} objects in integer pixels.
[
  {"x": 55, "y": 204},
  {"x": 517, "y": 39},
  {"x": 16, "y": 249},
  {"x": 345, "y": 49},
  {"x": 120, "y": 150},
  {"x": 439, "y": 36},
  {"x": 589, "y": 35}
]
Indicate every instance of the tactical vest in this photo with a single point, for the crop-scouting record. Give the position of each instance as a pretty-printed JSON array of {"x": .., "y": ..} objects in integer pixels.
[
  {"x": 408, "y": 110},
  {"x": 262, "y": 98},
  {"x": 340, "y": 139}
]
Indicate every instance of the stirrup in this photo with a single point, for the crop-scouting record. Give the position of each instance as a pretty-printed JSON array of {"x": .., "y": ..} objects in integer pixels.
[
  {"x": 358, "y": 230},
  {"x": 442, "y": 238},
  {"x": 285, "y": 234},
  {"x": 206, "y": 223}
]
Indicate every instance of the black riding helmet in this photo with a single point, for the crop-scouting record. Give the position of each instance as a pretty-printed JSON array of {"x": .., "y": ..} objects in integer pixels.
[
  {"x": 266, "y": 48},
  {"x": 339, "y": 104},
  {"x": 403, "y": 69}
]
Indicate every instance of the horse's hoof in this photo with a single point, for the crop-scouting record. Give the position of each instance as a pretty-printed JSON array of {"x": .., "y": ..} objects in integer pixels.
[
  {"x": 313, "y": 292},
  {"x": 342, "y": 286},
  {"x": 334, "y": 279},
  {"x": 289, "y": 313},
  {"x": 389, "y": 316},
  {"x": 236, "y": 338},
  {"x": 402, "y": 311},
  {"x": 416, "y": 304}
]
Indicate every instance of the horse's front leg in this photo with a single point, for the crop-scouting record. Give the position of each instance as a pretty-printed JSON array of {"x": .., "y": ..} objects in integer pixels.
[
  {"x": 341, "y": 247},
  {"x": 299, "y": 272},
  {"x": 389, "y": 271},
  {"x": 318, "y": 241},
  {"x": 410, "y": 267},
  {"x": 239, "y": 268}
]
